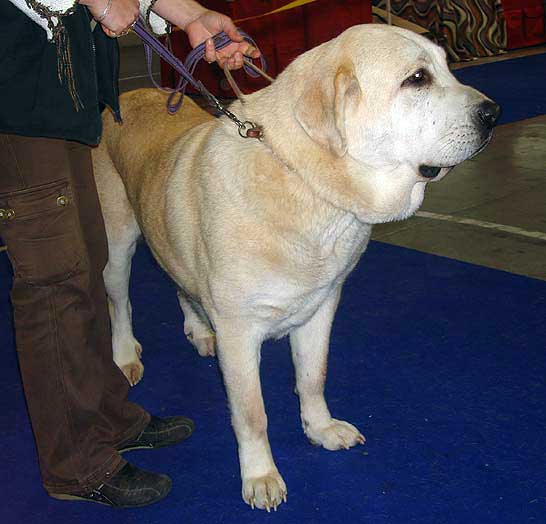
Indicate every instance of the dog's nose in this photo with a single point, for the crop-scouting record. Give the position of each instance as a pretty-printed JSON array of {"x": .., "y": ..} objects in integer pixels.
[{"x": 489, "y": 113}]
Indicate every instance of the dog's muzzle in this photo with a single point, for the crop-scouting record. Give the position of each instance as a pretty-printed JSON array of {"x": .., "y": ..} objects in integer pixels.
[{"x": 486, "y": 117}]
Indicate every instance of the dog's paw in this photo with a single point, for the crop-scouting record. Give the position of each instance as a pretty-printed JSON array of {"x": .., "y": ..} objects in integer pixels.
[
  {"x": 338, "y": 434},
  {"x": 265, "y": 492},
  {"x": 206, "y": 346},
  {"x": 133, "y": 372}
]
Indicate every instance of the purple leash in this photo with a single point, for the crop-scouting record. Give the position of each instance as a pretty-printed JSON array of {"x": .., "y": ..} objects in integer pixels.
[{"x": 247, "y": 129}]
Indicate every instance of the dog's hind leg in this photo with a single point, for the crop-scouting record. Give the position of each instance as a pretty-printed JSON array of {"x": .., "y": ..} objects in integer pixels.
[
  {"x": 122, "y": 231},
  {"x": 196, "y": 330},
  {"x": 127, "y": 350},
  {"x": 309, "y": 344}
]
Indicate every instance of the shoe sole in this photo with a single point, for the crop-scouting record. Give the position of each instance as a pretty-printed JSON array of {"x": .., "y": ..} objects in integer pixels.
[
  {"x": 65, "y": 496},
  {"x": 133, "y": 448},
  {"x": 62, "y": 496}
]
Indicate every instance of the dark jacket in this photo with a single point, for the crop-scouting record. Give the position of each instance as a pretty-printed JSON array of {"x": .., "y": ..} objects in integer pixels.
[{"x": 33, "y": 102}]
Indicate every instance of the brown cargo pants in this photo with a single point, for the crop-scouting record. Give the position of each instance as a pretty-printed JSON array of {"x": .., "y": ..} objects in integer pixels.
[{"x": 51, "y": 223}]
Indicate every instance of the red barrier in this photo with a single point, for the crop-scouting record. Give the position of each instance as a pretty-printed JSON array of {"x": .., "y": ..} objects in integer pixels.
[
  {"x": 281, "y": 37},
  {"x": 525, "y": 24}
]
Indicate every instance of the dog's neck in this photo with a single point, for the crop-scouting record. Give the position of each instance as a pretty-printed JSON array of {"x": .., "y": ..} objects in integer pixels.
[{"x": 326, "y": 174}]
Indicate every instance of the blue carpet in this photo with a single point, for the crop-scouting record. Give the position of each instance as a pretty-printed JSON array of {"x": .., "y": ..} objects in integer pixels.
[
  {"x": 518, "y": 85},
  {"x": 441, "y": 364}
]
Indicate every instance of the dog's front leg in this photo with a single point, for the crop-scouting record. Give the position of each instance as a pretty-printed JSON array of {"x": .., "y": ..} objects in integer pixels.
[
  {"x": 239, "y": 356},
  {"x": 309, "y": 345}
]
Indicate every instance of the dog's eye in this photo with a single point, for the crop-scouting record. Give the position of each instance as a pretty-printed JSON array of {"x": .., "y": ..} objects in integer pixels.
[{"x": 420, "y": 78}]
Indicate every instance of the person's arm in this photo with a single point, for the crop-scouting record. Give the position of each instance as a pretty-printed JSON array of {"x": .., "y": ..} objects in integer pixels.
[
  {"x": 200, "y": 24},
  {"x": 115, "y": 16},
  {"x": 177, "y": 12}
]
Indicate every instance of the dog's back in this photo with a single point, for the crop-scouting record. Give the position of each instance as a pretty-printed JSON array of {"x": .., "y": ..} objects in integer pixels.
[
  {"x": 148, "y": 130},
  {"x": 133, "y": 160}
]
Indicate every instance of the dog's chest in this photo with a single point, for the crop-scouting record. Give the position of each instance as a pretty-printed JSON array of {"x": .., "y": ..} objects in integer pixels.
[{"x": 294, "y": 297}]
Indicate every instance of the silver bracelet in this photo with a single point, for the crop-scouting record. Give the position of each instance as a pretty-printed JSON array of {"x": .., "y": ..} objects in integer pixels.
[{"x": 105, "y": 12}]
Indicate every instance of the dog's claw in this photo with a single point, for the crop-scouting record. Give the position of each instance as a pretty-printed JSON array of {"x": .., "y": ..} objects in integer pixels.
[
  {"x": 133, "y": 372},
  {"x": 266, "y": 492}
]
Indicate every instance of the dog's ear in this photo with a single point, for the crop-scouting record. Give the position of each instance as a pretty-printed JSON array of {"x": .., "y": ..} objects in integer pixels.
[{"x": 322, "y": 108}]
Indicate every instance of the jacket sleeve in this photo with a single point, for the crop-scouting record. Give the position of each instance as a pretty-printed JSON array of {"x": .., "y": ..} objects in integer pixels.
[
  {"x": 46, "y": 13},
  {"x": 157, "y": 24}
]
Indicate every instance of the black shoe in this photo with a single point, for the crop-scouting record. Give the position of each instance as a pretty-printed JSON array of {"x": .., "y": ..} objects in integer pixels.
[
  {"x": 161, "y": 432},
  {"x": 130, "y": 487}
]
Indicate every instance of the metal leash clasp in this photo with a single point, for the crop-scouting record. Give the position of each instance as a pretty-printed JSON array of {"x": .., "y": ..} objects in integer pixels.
[{"x": 247, "y": 129}]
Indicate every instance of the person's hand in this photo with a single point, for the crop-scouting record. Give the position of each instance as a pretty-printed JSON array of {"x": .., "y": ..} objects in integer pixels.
[
  {"x": 206, "y": 25},
  {"x": 200, "y": 24},
  {"x": 120, "y": 16}
]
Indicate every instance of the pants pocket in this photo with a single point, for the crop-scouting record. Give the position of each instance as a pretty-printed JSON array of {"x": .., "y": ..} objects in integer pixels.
[{"x": 40, "y": 229}]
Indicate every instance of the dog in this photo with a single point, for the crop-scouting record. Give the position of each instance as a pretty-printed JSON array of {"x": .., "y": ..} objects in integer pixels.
[{"x": 259, "y": 235}]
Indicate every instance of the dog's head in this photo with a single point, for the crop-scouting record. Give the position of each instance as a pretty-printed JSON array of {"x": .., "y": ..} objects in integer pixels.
[{"x": 382, "y": 109}]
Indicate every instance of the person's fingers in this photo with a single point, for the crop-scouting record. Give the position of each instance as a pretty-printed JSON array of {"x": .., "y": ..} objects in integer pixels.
[
  {"x": 229, "y": 28},
  {"x": 107, "y": 31},
  {"x": 249, "y": 50},
  {"x": 120, "y": 16},
  {"x": 114, "y": 34},
  {"x": 233, "y": 54},
  {"x": 210, "y": 51},
  {"x": 235, "y": 61}
]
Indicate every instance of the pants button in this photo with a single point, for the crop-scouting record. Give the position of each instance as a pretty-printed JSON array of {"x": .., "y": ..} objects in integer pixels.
[{"x": 62, "y": 201}]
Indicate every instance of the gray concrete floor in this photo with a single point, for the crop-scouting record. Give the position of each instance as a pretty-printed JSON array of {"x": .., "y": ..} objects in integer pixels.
[
  {"x": 503, "y": 190},
  {"x": 506, "y": 186},
  {"x": 133, "y": 70}
]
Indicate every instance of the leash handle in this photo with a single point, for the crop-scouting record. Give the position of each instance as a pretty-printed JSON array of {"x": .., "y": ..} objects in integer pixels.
[{"x": 186, "y": 69}]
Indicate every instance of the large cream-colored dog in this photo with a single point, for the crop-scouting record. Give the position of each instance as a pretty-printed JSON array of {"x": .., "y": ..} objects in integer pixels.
[{"x": 259, "y": 236}]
